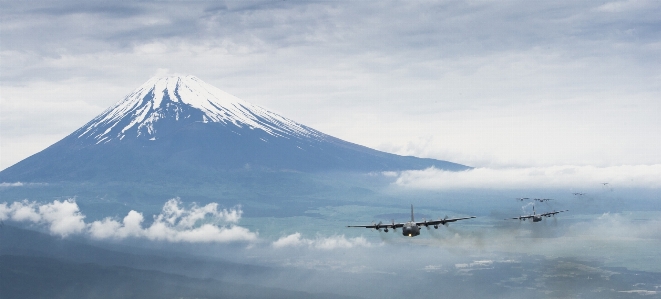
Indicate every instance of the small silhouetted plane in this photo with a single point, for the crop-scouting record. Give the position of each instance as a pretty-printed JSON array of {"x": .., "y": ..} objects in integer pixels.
[
  {"x": 522, "y": 198},
  {"x": 543, "y": 199},
  {"x": 578, "y": 193},
  {"x": 411, "y": 228},
  {"x": 537, "y": 217}
]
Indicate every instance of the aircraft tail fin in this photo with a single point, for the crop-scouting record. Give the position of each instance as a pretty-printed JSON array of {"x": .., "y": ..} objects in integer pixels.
[{"x": 412, "y": 219}]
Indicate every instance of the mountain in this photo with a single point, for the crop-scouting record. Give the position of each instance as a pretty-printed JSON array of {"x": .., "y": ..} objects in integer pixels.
[{"x": 182, "y": 128}]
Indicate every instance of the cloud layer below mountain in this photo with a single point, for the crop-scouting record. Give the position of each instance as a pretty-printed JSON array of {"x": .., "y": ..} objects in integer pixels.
[{"x": 626, "y": 176}]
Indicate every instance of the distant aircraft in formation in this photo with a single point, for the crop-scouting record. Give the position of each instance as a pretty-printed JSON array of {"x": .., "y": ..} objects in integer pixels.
[
  {"x": 411, "y": 228},
  {"x": 535, "y": 199},
  {"x": 543, "y": 199},
  {"x": 537, "y": 217},
  {"x": 578, "y": 193}
]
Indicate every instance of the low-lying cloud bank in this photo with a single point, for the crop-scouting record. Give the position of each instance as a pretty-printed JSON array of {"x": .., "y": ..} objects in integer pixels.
[
  {"x": 617, "y": 227},
  {"x": 20, "y": 184},
  {"x": 332, "y": 242},
  {"x": 62, "y": 217},
  {"x": 625, "y": 176},
  {"x": 175, "y": 223}
]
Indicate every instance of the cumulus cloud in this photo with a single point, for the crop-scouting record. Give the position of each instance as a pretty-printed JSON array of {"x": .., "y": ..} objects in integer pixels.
[
  {"x": 62, "y": 217},
  {"x": 131, "y": 226},
  {"x": 628, "y": 176},
  {"x": 327, "y": 243},
  {"x": 175, "y": 223}
]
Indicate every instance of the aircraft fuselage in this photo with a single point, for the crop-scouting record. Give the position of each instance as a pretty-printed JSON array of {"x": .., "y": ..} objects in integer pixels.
[{"x": 410, "y": 229}]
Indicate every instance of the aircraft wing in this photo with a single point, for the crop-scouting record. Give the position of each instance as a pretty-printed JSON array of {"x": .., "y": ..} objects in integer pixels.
[
  {"x": 552, "y": 213},
  {"x": 442, "y": 221},
  {"x": 380, "y": 225}
]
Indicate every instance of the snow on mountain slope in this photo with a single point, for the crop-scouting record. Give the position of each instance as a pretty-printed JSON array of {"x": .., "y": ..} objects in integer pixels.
[{"x": 184, "y": 99}]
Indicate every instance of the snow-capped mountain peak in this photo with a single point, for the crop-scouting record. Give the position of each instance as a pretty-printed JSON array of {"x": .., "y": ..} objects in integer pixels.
[
  {"x": 186, "y": 99},
  {"x": 175, "y": 129}
]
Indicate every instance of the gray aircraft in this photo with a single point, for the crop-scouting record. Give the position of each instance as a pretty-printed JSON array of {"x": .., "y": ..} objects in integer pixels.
[
  {"x": 411, "y": 228},
  {"x": 542, "y": 199},
  {"x": 537, "y": 217}
]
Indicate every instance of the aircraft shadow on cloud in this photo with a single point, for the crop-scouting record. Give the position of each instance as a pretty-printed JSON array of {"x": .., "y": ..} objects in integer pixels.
[{"x": 411, "y": 228}]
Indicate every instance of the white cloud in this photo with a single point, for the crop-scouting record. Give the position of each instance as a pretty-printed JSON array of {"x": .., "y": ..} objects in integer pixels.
[
  {"x": 287, "y": 241},
  {"x": 616, "y": 227},
  {"x": 131, "y": 226},
  {"x": 186, "y": 218},
  {"x": 204, "y": 233},
  {"x": 633, "y": 176},
  {"x": 623, "y": 6},
  {"x": 22, "y": 211},
  {"x": 328, "y": 243},
  {"x": 62, "y": 217},
  {"x": 175, "y": 223}
]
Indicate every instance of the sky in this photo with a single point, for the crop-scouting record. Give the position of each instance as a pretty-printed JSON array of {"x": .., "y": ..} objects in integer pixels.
[
  {"x": 489, "y": 84},
  {"x": 562, "y": 96}
]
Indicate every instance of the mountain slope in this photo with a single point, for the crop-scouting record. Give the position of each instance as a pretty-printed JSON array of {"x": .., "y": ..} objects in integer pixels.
[{"x": 182, "y": 128}]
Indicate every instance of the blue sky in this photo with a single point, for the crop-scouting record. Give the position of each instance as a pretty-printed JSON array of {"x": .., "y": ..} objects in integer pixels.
[{"x": 485, "y": 83}]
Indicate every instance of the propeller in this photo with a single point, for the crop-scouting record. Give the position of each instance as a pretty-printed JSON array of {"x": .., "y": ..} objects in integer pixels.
[
  {"x": 378, "y": 226},
  {"x": 425, "y": 223},
  {"x": 394, "y": 228}
]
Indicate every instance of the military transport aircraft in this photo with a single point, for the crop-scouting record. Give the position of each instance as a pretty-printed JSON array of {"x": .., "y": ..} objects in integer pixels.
[
  {"x": 542, "y": 199},
  {"x": 411, "y": 228},
  {"x": 537, "y": 217}
]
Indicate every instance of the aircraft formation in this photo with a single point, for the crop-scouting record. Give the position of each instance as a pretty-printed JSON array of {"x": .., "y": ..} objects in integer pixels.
[
  {"x": 543, "y": 199},
  {"x": 412, "y": 228},
  {"x": 535, "y": 199}
]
